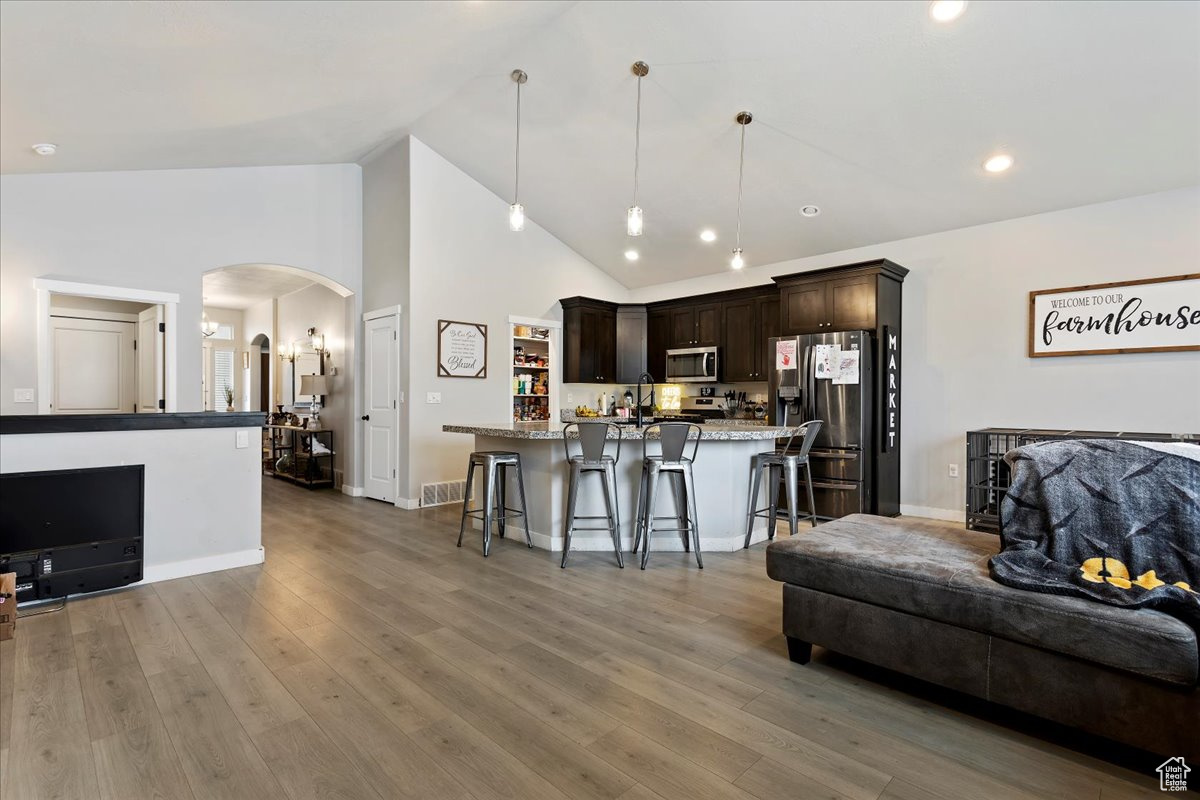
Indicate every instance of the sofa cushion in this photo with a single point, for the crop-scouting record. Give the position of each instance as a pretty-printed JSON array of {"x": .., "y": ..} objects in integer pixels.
[{"x": 940, "y": 572}]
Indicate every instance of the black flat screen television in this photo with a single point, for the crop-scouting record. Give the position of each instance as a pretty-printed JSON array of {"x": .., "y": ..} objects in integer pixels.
[{"x": 70, "y": 531}]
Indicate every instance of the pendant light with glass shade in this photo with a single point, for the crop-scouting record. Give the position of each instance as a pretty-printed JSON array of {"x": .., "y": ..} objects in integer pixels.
[
  {"x": 737, "y": 262},
  {"x": 633, "y": 216},
  {"x": 516, "y": 211}
]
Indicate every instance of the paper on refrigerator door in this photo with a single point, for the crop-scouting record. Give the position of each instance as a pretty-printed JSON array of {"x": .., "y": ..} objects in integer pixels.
[
  {"x": 826, "y": 358},
  {"x": 785, "y": 354},
  {"x": 847, "y": 367}
]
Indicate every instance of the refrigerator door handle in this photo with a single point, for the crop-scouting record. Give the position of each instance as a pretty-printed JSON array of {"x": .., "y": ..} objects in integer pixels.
[
  {"x": 804, "y": 398},
  {"x": 811, "y": 379}
]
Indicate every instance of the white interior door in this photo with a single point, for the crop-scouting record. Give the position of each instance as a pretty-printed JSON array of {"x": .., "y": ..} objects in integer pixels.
[
  {"x": 150, "y": 349},
  {"x": 92, "y": 366},
  {"x": 381, "y": 413}
]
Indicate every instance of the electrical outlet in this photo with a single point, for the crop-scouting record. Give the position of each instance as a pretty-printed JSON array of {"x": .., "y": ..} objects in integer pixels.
[
  {"x": 22, "y": 395},
  {"x": 433, "y": 397},
  {"x": 954, "y": 470},
  {"x": 242, "y": 439},
  {"x": 570, "y": 397}
]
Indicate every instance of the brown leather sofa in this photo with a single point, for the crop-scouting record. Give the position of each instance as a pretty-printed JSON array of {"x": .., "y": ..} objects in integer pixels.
[{"x": 917, "y": 598}]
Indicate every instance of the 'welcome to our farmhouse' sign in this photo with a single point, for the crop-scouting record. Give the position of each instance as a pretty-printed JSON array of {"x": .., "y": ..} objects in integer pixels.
[
  {"x": 1154, "y": 315},
  {"x": 462, "y": 349}
]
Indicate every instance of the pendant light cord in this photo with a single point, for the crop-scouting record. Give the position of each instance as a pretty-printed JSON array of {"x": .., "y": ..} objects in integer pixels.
[
  {"x": 517, "y": 159},
  {"x": 741, "y": 170},
  {"x": 637, "y": 140}
]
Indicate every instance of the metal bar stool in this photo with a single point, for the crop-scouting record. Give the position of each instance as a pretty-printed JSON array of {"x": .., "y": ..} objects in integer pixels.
[
  {"x": 673, "y": 438},
  {"x": 592, "y": 437},
  {"x": 784, "y": 465},
  {"x": 495, "y": 464}
]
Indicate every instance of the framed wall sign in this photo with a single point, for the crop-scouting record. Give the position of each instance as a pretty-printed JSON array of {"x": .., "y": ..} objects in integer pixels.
[
  {"x": 1146, "y": 316},
  {"x": 462, "y": 349}
]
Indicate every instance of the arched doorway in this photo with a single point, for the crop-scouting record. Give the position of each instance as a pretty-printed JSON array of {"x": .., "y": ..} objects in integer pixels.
[{"x": 284, "y": 323}]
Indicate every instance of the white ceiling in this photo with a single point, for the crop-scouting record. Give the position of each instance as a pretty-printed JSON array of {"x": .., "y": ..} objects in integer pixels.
[
  {"x": 868, "y": 109},
  {"x": 250, "y": 284}
]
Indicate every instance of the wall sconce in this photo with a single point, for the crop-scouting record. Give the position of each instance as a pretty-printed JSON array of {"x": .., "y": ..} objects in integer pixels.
[
  {"x": 318, "y": 341},
  {"x": 287, "y": 352}
]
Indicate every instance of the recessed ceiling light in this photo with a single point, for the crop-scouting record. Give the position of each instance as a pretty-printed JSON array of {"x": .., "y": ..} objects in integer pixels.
[
  {"x": 998, "y": 162},
  {"x": 45, "y": 149},
  {"x": 810, "y": 211},
  {"x": 631, "y": 255},
  {"x": 947, "y": 10},
  {"x": 708, "y": 235}
]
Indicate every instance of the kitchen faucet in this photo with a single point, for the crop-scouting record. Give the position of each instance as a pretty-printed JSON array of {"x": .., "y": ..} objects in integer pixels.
[{"x": 650, "y": 380}]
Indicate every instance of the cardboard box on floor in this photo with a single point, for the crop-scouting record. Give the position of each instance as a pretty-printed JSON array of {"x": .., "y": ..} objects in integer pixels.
[{"x": 8, "y": 605}]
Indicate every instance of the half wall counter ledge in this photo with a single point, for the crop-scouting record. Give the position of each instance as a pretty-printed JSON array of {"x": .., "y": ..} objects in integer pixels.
[
  {"x": 194, "y": 504},
  {"x": 722, "y": 477}
]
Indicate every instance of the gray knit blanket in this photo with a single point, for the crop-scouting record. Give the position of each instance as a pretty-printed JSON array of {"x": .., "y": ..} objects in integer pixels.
[{"x": 1112, "y": 520}]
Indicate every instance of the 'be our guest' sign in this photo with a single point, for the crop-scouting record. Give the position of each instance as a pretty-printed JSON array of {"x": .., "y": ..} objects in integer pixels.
[
  {"x": 462, "y": 349},
  {"x": 1155, "y": 315}
]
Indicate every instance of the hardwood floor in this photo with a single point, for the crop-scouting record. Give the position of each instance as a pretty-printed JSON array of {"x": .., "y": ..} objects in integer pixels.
[{"x": 370, "y": 658}]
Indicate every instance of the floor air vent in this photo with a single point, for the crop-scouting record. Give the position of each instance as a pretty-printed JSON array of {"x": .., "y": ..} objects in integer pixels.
[{"x": 439, "y": 494}]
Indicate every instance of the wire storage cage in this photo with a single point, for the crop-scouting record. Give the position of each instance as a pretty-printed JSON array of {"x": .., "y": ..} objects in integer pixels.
[{"x": 988, "y": 475}]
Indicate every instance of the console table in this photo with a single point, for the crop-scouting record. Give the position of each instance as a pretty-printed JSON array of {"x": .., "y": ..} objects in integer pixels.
[{"x": 288, "y": 454}]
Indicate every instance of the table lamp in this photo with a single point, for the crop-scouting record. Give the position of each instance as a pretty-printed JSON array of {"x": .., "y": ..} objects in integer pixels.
[{"x": 318, "y": 387}]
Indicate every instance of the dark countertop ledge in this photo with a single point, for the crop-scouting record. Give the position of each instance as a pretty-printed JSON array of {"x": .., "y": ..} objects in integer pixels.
[{"x": 88, "y": 423}]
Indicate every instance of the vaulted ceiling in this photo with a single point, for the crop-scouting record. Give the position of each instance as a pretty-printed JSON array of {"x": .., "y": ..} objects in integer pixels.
[{"x": 870, "y": 110}]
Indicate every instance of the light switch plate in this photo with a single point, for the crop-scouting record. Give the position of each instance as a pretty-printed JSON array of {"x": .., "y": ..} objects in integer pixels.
[
  {"x": 243, "y": 439},
  {"x": 433, "y": 397},
  {"x": 22, "y": 395}
]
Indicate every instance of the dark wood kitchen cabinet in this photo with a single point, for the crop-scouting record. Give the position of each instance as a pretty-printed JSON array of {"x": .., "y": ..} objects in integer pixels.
[
  {"x": 589, "y": 340},
  {"x": 658, "y": 341},
  {"x": 696, "y": 325},
  {"x": 739, "y": 355},
  {"x": 749, "y": 321},
  {"x": 817, "y": 302},
  {"x": 768, "y": 321}
]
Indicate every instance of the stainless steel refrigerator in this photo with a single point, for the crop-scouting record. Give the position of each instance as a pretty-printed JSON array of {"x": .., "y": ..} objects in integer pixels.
[{"x": 805, "y": 384}]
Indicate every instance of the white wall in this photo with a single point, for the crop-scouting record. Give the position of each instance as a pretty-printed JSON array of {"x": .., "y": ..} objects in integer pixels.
[
  {"x": 203, "y": 494},
  {"x": 467, "y": 265},
  {"x": 965, "y": 327},
  {"x": 161, "y": 230},
  {"x": 386, "y": 211},
  {"x": 323, "y": 309}
]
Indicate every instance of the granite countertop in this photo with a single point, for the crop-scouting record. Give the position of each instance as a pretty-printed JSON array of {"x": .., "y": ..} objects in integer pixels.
[{"x": 726, "y": 432}]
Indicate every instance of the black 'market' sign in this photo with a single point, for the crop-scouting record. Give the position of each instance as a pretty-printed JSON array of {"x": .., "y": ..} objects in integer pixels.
[{"x": 891, "y": 361}]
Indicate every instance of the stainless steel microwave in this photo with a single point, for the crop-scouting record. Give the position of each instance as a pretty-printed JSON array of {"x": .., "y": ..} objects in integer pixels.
[{"x": 692, "y": 365}]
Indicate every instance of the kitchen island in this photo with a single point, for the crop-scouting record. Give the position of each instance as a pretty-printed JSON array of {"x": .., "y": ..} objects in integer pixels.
[{"x": 722, "y": 479}]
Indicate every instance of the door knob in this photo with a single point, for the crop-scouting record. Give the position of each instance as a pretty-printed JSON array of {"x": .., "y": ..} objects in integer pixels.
[{"x": 366, "y": 417}]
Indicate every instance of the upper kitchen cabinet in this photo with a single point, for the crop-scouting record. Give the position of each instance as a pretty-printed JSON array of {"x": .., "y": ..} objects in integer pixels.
[
  {"x": 658, "y": 341},
  {"x": 750, "y": 319},
  {"x": 836, "y": 299},
  {"x": 631, "y": 343},
  {"x": 589, "y": 341},
  {"x": 768, "y": 319},
  {"x": 695, "y": 325}
]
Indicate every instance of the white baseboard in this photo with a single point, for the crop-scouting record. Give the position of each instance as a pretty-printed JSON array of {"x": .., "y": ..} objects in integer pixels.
[
  {"x": 353, "y": 491},
  {"x": 199, "y": 566},
  {"x": 928, "y": 512},
  {"x": 408, "y": 503}
]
